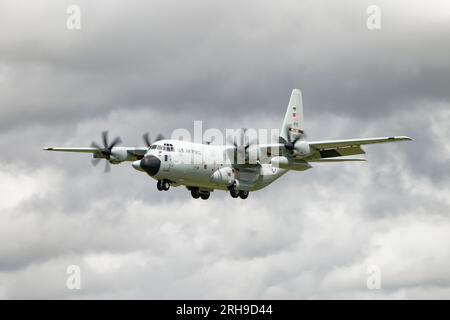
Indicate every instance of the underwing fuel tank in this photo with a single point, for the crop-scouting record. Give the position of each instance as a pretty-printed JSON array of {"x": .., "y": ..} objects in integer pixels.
[
  {"x": 224, "y": 176},
  {"x": 290, "y": 164}
]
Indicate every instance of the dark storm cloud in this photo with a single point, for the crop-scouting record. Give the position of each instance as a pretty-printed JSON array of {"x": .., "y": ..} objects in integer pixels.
[
  {"x": 218, "y": 57},
  {"x": 160, "y": 65}
]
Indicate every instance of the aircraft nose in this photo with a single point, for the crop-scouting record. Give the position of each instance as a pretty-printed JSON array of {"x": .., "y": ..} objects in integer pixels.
[{"x": 150, "y": 164}]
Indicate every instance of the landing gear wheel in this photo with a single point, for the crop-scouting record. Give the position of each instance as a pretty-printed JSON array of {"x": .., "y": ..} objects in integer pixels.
[
  {"x": 243, "y": 194},
  {"x": 195, "y": 194},
  {"x": 165, "y": 185},
  {"x": 159, "y": 185},
  {"x": 205, "y": 195},
  {"x": 234, "y": 192}
]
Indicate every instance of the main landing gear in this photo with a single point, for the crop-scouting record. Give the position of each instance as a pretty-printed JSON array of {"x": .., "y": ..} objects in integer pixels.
[
  {"x": 235, "y": 193},
  {"x": 163, "y": 185},
  {"x": 196, "y": 193},
  {"x": 243, "y": 194}
]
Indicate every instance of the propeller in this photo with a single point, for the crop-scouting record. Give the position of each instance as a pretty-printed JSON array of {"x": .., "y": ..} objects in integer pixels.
[
  {"x": 290, "y": 143},
  {"x": 106, "y": 150},
  {"x": 242, "y": 143},
  {"x": 147, "y": 140}
]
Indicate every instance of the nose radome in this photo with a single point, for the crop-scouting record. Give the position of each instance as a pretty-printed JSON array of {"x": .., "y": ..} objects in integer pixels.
[{"x": 151, "y": 165}]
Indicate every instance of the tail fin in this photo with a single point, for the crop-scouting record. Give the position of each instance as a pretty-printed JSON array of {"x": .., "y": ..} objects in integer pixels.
[{"x": 293, "y": 120}]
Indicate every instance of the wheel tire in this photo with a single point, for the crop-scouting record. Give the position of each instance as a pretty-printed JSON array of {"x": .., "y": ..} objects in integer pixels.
[
  {"x": 159, "y": 185},
  {"x": 204, "y": 195},
  {"x": 195, "y": 194},
  {"x": 165, "y": 185},
  {"x": 234, "y": 193},
  {"x": 243, "y": 194}
]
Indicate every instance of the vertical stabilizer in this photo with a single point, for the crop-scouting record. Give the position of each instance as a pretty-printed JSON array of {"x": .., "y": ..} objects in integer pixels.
[{"x": 293, "y": 123}]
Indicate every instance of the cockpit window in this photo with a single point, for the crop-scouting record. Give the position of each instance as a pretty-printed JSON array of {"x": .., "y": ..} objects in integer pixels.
[{"x": 168, "y": 147}]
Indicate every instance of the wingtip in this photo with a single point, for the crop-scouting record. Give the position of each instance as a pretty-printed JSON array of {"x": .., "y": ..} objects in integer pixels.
[
  {"x": 48, "y": 149},
  {"x": 400, "y": 138}
]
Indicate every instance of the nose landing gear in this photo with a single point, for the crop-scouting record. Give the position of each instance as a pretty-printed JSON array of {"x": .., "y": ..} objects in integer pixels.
[{"x": 163, "y": 185}]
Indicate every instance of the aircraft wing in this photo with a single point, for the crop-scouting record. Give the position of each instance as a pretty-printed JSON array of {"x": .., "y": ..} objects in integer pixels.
[
  {"x": 134, "y": 151},
  {"x": 81, "y": 150},
  {"x": 354, "y": 142},
  {"x": 339, "y": 148}
]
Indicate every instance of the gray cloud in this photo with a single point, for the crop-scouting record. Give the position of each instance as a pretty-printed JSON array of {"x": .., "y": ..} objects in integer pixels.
[{"x": 160, "y": 65}]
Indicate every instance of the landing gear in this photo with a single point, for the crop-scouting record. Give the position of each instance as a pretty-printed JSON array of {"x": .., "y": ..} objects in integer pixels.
[
  {"x": 234, "y": 192},
  {"x": 204, "y": 195},
  {"x": 163, "y": 185},
  {"x": 243, "y": 194},
  {"x": 195, "y": 193}
]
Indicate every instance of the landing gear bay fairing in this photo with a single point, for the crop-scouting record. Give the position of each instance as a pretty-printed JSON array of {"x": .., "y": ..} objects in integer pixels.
[{"x": 238, "y": 168}]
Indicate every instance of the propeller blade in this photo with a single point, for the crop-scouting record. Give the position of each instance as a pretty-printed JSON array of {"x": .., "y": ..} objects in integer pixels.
[
  {"x": 159, "y": 137},
  {"x": 107, "y": 167},
  {"x": 95, "y": 162},
  {"x": 115, "y": 142},
  {"x": 229, "y": 140},
  {"x": 290, "y": 143},
  {"x": 296, "y": 139},
  {"x": 288, "y": 135},
  {"x": 147, "y": 140},
  {"x": 105, "y": 139},
  {"x": 243, "y": 131},
  {"x": 253, "y": 142},
  {"x": 95, "y": 145}
]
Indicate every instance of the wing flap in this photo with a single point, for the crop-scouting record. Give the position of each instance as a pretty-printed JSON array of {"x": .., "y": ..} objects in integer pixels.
[
  {"x": 355, "y": 142},
  {"x": 336, "y": 160},
  {"x": 341, "y": 151}
]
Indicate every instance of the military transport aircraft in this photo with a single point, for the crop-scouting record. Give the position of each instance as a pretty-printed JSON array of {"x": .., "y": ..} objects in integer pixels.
[{"x": 245, "y": 167}]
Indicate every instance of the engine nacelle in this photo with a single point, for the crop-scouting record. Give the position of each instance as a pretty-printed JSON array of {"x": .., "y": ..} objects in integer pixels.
[
  {"x": 224, "y": 176},
  {"x": 302, "y": 148},
  {"x": 119, "y": 154},
  {"x": 289, "y": 163},
  {"x": 280, "y": 162}
]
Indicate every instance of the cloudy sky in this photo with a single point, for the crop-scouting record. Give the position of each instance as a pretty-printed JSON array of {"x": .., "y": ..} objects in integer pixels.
[{"x": 160, "y": 65}]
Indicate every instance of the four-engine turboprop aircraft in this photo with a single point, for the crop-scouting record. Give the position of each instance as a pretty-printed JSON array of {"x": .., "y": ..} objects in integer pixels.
[{"x": 198, "y": 166}]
